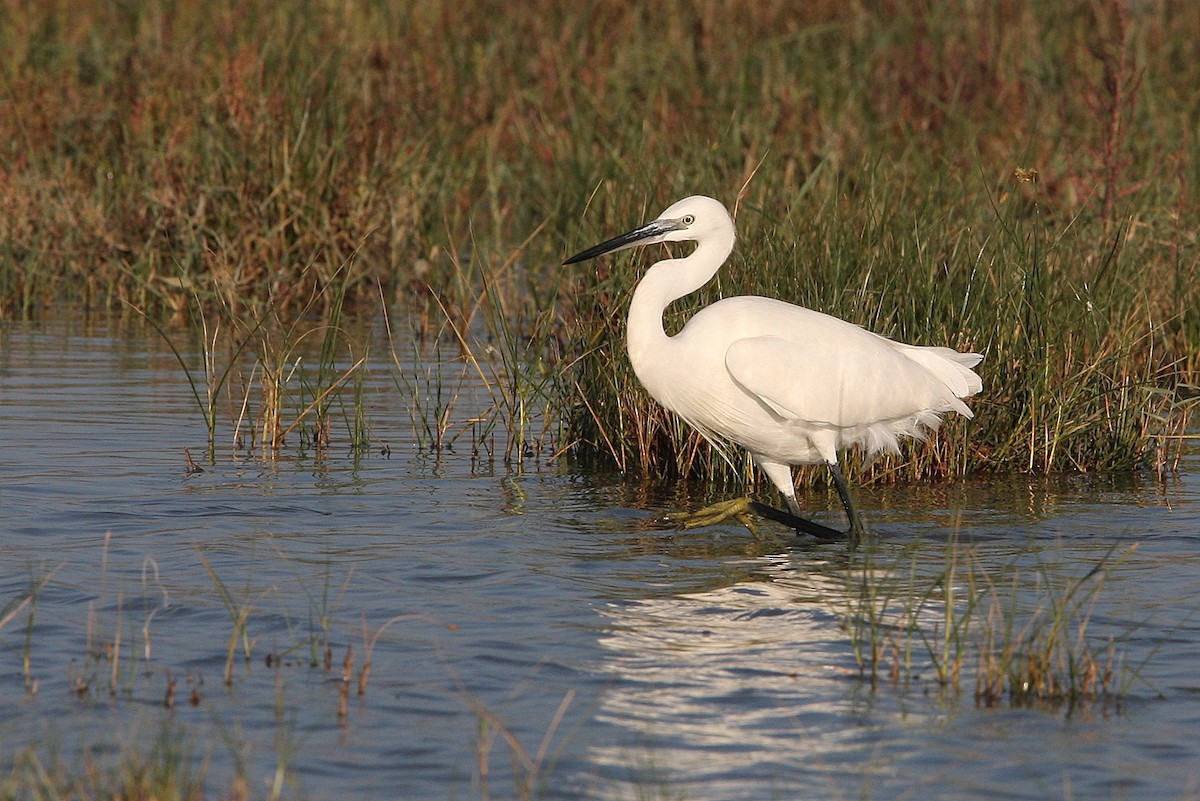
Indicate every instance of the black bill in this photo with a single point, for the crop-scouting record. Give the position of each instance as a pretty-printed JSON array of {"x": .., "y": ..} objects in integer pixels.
[{"x": 648, "y": 234}]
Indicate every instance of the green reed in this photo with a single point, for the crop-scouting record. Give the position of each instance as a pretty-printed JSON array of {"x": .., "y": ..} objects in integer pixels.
[
  {"x": 161, "y": 766},
  {"x": 207, "y": 386},
  {"x": 239, "y": 611},
  {"x": 1021, "y": 629},
  {"x": 27, "y": 602}
]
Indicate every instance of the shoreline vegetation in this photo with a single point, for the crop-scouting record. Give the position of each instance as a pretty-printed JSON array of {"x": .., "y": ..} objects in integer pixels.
[{"x": 1017, "y": 179}]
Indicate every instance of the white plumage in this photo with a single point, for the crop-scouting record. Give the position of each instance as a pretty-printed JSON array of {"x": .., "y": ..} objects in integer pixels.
[{"x": 788, "y": 384}]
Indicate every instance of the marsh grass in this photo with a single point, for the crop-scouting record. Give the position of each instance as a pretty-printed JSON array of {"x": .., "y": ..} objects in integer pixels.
[
  {"x": 1022, "y": 631},
  {"x": 530, "y": 768},
  {"x": 239, "y": 616},
  {"x": 27, "y": 602},
  {"x": 471, "y": 369},
  {"x": 434, "y": 385},
  {"x": 166, "y": 759},
  {"x": 214, "y": 377},
  {"x": 263, "y": 379},
  {"x": 163, "y": 767}
]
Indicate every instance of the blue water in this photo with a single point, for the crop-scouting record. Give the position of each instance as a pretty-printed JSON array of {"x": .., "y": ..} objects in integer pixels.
[{"x": 531, "y": 632}]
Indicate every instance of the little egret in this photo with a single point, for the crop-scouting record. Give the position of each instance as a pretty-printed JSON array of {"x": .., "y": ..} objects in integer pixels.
[{"x": 790, "y": 385}]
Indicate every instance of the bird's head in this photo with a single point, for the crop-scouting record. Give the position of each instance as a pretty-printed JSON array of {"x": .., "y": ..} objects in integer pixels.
[{"x": 696, "y": 218}]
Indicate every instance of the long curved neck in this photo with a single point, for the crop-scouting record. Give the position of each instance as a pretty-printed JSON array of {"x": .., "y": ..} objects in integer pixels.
[{"x": 663, "y": 283}]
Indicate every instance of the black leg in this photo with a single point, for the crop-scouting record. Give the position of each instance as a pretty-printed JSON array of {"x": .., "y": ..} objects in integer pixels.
[
  {"x": 856, "y": 526},
  {"x": 802, "y": 525}
]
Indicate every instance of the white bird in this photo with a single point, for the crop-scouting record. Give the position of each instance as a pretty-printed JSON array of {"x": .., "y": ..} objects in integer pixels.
[{"x": 790, "y": 385}]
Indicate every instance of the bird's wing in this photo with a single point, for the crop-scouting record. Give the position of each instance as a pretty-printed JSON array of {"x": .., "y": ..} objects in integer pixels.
[
  {"x": 950, "y": 366},
  {"x": 861, "y": 381}
]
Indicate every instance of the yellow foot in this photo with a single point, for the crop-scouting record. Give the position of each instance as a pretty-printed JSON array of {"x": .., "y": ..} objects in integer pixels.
[
  {"x": 743, "y": 510},
  {"x": 738, "y": 509}
]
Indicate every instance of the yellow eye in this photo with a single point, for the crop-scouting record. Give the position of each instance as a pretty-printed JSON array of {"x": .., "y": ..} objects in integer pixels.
[{"x": 688, "y": 219}]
